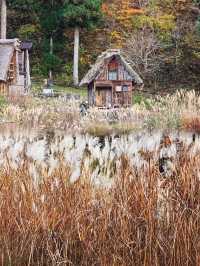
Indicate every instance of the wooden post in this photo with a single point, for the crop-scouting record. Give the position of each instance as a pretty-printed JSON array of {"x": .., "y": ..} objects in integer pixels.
[
  {"x": 17, "y": 66},
  {"x": 112, "y": 96},
  {"x": 3, "y": 19},
  {"x": 28, "y": 77},
  {"x": 76, "y": 56},
  {"x": 94, "y": 94},
  {"x": 51, "y": 53}
]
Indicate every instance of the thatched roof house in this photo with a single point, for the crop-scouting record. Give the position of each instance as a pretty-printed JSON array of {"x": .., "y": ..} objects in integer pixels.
[
  {"x": 111, "y": 80},
  {"x": 14, "y": 67}
]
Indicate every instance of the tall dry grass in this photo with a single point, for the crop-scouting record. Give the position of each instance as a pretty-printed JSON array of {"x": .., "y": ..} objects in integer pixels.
[
  {"x": 141, "y": 220},
  {"x": 168, "y": 112}
]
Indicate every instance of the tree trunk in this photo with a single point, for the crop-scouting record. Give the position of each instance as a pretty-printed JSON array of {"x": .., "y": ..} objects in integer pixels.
[
  {"x": 51, "y": 53},
  {"x": 27, "y": 69},
  {"x": 3, "y": 19},
  {"x": 76, "y": 56}
]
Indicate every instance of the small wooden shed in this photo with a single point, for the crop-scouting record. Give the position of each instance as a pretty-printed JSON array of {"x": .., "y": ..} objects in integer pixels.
[
  {"x": 111, "y": 81},
  {"x": 14, "y": 67}
]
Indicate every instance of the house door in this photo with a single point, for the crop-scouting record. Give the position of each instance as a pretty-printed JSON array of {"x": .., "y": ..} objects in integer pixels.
[{"x": 104, "y": 97}]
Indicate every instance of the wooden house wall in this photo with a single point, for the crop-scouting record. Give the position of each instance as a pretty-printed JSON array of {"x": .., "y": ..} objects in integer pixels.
[
  {"x": 4, "y": 88},
  {"x": 12, "y": 72},
  {"x": 122, "y": 97},
  {"x": 105, "y": 93},
  {"x": 11, "y": 76},
  {"x": 91, "y": 94},
  {"x": 104, "y": 89},
  {"x": 114, "y": 64}
]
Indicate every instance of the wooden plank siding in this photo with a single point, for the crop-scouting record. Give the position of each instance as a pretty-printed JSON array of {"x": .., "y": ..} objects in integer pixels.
[
  {"x": 12, "y": 72},
  {"x": 111, "y": 81},
  {"x": 102, "y": 85},
  {"x": 11, "y": 77},
  {"x": 123, "y": 98},
  {"x": 4, "y": 88}
]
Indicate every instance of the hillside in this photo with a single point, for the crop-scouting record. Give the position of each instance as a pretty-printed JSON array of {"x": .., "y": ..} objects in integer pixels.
[{"x": 161, "y": 39}]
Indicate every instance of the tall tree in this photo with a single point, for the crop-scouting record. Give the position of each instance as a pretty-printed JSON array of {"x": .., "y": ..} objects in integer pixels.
[
  {"x": 81, "y": 14},
  {"x": 50, "y": 16},
  {"x": 3, "y": 19},
  {"x": 43, "y": 18}
]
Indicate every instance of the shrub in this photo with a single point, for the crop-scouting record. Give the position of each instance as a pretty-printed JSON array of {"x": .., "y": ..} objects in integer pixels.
[{"x": 3, "y": 101}]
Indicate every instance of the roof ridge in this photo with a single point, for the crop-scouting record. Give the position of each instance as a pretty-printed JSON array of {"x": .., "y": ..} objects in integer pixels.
[{"x": 97, "y": 66}]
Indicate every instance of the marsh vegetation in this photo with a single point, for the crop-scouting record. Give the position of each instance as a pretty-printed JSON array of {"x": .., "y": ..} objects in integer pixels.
[
  {"x": 84, "y": 200},
  {"x": 117, "y": 187}
]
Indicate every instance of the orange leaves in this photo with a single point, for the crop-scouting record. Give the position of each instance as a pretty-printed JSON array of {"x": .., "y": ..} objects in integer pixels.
[
  {"x": 127, "y": 11},
  {"x": 106, "y": 9},
  {"x": 119, "y": 14},
  {"x": 121, "y": 11},
  {"x": 134, "y": 11}
]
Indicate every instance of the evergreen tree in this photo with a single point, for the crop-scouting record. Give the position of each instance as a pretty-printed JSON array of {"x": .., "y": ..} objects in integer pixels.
[
  {"x": 81, "y": 14},
  {"x": 46, "y": 16},
  {"x": 50, "y": 16}
]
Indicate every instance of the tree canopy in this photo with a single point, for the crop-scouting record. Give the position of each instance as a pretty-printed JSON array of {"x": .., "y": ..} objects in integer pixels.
[
  {"x": 170, "y": 28},
  {"x": 84, "y": 14}
]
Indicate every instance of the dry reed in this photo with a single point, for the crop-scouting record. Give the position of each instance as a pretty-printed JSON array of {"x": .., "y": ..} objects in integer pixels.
[{"x": 141, "y": 220}]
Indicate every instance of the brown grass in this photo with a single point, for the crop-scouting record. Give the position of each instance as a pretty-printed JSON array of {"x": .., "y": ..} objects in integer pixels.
[
  {"x": 141, "y": 221},
  {"x": 191, "y": 123}
]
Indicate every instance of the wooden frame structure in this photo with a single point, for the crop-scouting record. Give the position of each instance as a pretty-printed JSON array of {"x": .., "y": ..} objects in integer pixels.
[
  {"x": 14, "y": 67},
  {"x": 111, "y": 81}
]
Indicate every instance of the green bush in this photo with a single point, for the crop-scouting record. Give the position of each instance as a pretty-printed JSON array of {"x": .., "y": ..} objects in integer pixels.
[
  {"x": 50, "y": 62},
  {"x": 3, "y": 101},
  {"x": 66, "y": 78},
  {"x": 140, "y": 99}
]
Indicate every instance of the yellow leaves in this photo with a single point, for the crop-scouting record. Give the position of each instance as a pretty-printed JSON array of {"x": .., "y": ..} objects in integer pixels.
[
  {"x": 85, "y": 59},
  {"x": 117, "y": 38},
  {"x": 143, "y": 20},
  {"x": 165, "y": 22},
  {"x": 196, "y": 55},
  {"x": 115, "y": 34},
  {"x": 162, "y": 22}
]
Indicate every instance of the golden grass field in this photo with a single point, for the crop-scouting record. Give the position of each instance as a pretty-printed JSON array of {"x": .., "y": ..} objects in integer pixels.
[
  {"x": 100, "y": 199},
  {"x": 142, "y": 220}
]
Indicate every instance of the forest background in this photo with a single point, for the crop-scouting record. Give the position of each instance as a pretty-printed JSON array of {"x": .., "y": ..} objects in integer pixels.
[{"x": 160, "y": 38}]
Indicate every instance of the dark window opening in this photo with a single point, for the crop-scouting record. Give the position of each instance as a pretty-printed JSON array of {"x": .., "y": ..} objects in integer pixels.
[{"x": 125, "y": 88}]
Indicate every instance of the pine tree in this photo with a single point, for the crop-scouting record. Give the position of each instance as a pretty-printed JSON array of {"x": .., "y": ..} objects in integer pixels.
[
  {"x": 80, "y": 14},
  {"x": 47, "y": 17},
  {"x": 50, "y": 16}
]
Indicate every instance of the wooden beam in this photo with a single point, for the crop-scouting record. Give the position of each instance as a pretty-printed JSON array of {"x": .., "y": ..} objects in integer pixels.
[{"x": 94, "y": 94}]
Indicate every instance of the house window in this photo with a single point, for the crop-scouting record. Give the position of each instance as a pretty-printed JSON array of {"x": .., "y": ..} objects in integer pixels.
[
  {"x": 118, "y": 88},
  {"x": 125, "y": 88},
  {"x": 112, "y": 74}
]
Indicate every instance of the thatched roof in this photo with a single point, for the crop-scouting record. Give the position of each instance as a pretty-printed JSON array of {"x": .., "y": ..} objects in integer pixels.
[
  {"x": 106, "y": 56},
  {"x": 7, "y": 48}
]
